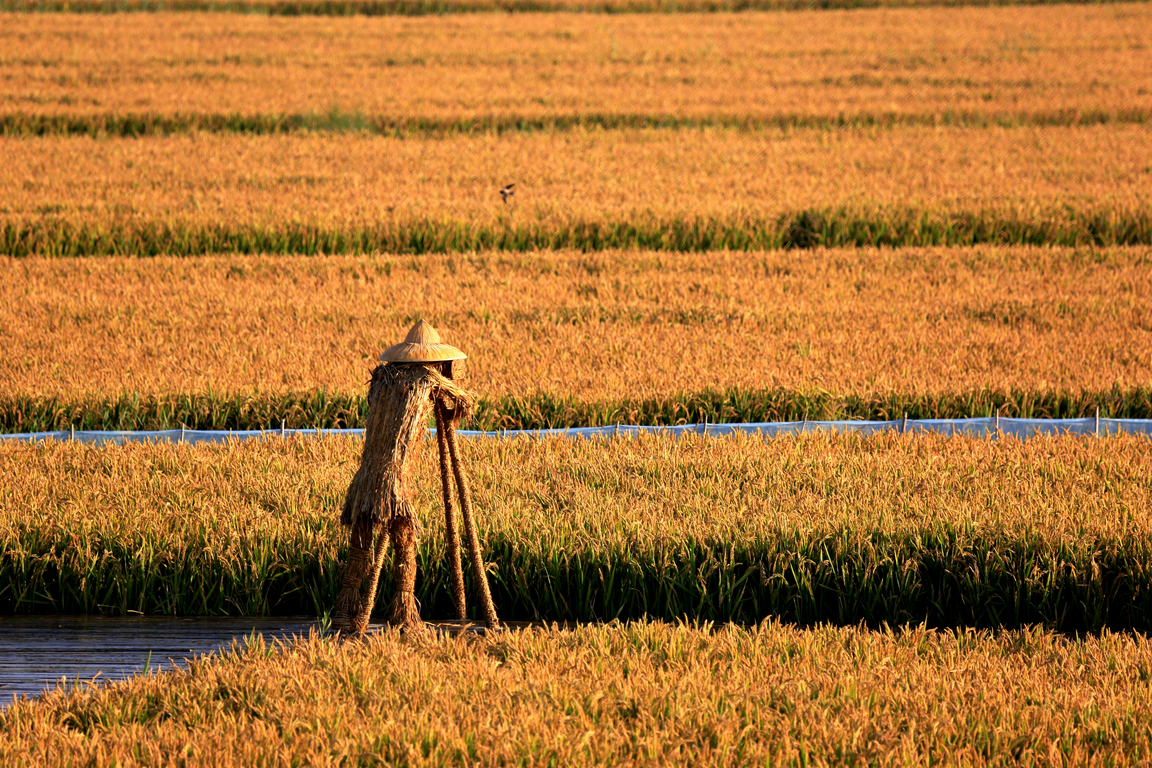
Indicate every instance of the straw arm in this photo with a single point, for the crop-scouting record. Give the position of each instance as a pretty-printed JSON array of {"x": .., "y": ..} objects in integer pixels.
[{"x": 459, "y": 402}]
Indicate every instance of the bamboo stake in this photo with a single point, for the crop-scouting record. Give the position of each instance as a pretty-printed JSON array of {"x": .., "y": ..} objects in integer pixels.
[
  {"x": 474, "y": 553},
  {"x": 451, "y": 528}
]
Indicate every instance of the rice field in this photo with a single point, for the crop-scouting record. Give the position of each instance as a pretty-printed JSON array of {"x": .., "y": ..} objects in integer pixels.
[
  {"x": 589, "y": 190},
  {"x": 674, "y": 132},
  {"x": 220, "y": 219},
  {"x": 568, "y": 339},
  {"x": 948, "y": 531},
  {"x": 635, "y": 694},
  {"x": 988, "y": 64}
]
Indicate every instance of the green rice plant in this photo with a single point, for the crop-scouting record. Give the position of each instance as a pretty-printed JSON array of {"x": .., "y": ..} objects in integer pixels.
[
  {"x": 952, "y": 532},
  {"x": 208, "y": 411},
  {"x": 135, "y": 125},
  {"x": 325, "y": 410},
  {"x": 800, "y": 230}
]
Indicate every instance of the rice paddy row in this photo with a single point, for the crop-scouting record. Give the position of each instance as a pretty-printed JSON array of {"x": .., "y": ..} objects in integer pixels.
[
  {"x": 815, "y": 529},
  {"x": 584, "y": 189},
  {"x": 1061, "y": 180},
  {"x": 634, "y": 695},
  {"x": 994, "y": 62},
  {"x": 804, "y": 229},
  {"x": 321, "y": 410},
  {"x": 566, "y": 338},
  {"x": 136, "y": 125}
]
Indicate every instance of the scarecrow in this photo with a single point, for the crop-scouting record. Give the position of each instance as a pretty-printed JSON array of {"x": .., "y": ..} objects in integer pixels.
[{"x": 416, "y": 375}]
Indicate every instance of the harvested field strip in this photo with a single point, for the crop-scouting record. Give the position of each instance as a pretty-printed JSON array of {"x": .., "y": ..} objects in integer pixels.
[
  {"x": 564, "y": 337},
  {"x": 803, "y": 229},
  {"x": 633, "y": 694},
  {"x": 842, "y": 529},
  {"x": 154, "y": 124},
  {"x": 321, "y": 410},
  {"x": 931, "y": 61}
]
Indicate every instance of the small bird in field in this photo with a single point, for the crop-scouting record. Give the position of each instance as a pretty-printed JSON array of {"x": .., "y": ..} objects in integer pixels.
[{"x": 506, "y": 192}]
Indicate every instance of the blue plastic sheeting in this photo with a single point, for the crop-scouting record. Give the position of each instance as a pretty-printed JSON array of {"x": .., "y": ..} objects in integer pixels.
[{"x": 984, "y": 427}]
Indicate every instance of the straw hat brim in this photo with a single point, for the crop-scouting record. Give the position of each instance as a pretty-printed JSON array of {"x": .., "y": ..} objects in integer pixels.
[{"x": 408, "y": 352}]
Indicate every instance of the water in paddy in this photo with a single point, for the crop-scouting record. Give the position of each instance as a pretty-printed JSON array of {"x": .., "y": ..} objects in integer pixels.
[{"x": 39, "y": 652}]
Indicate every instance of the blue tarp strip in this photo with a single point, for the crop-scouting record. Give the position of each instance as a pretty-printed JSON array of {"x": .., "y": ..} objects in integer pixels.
[{"x": 983, "y": 427}]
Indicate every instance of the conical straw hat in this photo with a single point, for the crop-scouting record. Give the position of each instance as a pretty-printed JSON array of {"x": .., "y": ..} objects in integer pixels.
[{"x": 422, "y": 345}]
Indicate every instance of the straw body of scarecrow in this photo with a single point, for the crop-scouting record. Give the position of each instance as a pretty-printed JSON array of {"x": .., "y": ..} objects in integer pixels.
[{"x": 415, "y": 376}]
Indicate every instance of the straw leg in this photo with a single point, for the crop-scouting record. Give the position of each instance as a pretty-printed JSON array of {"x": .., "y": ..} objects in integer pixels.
[
  {"x": 451, "y": 529},
  {"x": 349, "y": 602},
  {"x": 405, "y": 611},
  {"x": 369, "y": 599},
  {"x": 474, "y": 554}
]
